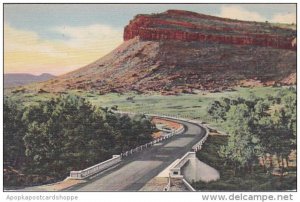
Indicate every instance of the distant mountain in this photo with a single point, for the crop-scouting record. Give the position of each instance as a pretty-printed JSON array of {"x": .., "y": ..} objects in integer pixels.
[
  {"x": 11, "y": 80},
  {"x": 180, "y": 51}
]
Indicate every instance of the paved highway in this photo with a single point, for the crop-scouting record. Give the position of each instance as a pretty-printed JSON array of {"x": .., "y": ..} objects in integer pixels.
[{"x": 136, "y": 170}]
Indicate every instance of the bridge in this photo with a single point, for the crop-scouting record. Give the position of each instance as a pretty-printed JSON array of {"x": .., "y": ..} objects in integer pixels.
[{"x": 135, "y": 170}]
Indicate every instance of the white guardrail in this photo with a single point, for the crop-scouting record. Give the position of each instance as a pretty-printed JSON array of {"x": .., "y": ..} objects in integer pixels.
[
  {"x": 96, "y": 168},
  {"x": 140, "y": 148},
  {"x": 175, "y": 170},
  {"x": 117, "y": 158},
  {"x": 167, "y": 188},
  {"x": 198, "y": 145},
  {"x": 188, "y": 186}
]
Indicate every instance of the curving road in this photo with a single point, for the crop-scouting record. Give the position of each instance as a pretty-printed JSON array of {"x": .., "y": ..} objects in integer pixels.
[{"x": 135, "y": 171}]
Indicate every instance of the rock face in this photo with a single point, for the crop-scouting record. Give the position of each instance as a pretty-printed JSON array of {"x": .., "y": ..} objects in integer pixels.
[
  {"x": 189, "y": 26},
  {"x": 180, "y": 51}
]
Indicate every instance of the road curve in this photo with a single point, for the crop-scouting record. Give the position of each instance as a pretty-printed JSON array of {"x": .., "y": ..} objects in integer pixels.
[{"x": 135, "y": 171}]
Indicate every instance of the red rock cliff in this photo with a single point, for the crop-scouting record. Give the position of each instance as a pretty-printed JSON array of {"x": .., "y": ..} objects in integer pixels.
[{"x": 189, "y": 26}]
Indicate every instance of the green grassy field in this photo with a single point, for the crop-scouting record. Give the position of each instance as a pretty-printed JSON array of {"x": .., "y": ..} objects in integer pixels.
[{"x": 193, "y": 106}]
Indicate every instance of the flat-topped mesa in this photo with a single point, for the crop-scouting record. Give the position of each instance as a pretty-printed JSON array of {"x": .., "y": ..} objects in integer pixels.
[{"x": 190, "y": 26}]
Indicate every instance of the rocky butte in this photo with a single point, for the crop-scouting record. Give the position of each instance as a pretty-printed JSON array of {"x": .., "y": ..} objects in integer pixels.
[
  {"x": 188, "y": 26},
  {"x": 179, "y": 51}
]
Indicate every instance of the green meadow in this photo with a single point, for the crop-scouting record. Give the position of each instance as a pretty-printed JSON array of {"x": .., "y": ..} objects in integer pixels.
[{"x": 193, "y": 106}]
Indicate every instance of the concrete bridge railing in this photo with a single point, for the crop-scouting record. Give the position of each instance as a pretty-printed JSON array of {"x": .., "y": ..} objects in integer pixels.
[
  {"x": 96, "y": 168},
  {"x": 175, "y": 170},
  {"x": 117, "y": 158},
  {"x": 168, "y": 186},
  {"x": 188, "y": 186},
  {"x": 198, "y": 145},
  {"x": 142, "y": 147}
]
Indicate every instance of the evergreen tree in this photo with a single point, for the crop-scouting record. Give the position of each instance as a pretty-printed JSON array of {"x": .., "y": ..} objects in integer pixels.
[{"x": 13, "y": 132}]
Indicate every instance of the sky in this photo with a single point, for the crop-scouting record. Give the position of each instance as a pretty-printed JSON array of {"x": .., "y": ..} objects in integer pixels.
[{"x": 58, "y": 38}]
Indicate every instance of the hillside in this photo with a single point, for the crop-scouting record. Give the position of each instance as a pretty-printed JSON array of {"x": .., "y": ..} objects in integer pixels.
[
  {"x": 11, "y": 80},
  {"x": 180, "y": 51}
]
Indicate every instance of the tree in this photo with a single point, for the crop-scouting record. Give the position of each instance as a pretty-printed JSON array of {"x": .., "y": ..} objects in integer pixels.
[
  {"x": 283, "y": 136},
  {"x": 277, "y": 126},
  {"x": 218, "y": 109},
  {"x": 13, "y": 132},
  {"x": 142, "y": 127},
  {"x": 68, "y": 133},
  {"x": 260, "y": 127},
  {"x": 243, "y": 146}
]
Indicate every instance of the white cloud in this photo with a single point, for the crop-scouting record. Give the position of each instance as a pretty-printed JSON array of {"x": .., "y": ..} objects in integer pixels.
[
  {"x": 25, "y": 51},
  {"x": 25, "y": 41},
  {"x": 82, "y": 36},
  {"x": 240, "y": 13},
  {"x": 284, "y": 18}
]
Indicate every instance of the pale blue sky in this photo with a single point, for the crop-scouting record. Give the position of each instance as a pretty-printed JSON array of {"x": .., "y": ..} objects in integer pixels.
[{"x": 40, "y": 17}]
